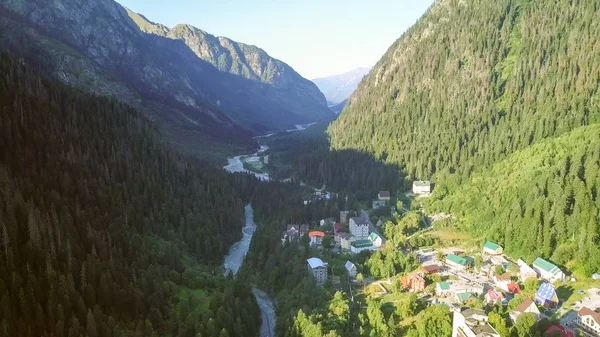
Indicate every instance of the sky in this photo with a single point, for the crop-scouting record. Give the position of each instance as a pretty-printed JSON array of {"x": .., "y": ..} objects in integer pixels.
[{"x": 317, "y": 38}]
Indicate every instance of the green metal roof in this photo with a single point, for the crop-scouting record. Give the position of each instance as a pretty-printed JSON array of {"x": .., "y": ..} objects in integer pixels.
[
  {"x": 547, "y": 266},
  {"x": 373, "y": 236},
  {"x": 456, "y": 259},
  {"x": 491, "y": 245},
  {"x": 362, "y": 244},
  {"x": 445, "y": 285},
  {"x": 465, "y": 296}
]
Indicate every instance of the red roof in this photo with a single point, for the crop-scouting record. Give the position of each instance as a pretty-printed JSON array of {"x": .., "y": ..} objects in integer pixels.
[
  {"x": 514, "y": 288},
  {"x": 495, "y": 295},
  {"x": 554, "y": 328},
  {"x": 316, "y": 233}
]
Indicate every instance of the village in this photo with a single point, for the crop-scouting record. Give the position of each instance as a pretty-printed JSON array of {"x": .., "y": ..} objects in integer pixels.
[{"x": 465, "y": 280}]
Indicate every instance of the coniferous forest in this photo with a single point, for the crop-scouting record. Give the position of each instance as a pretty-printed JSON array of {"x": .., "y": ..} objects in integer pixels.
[{"x": 105, "y": 231}]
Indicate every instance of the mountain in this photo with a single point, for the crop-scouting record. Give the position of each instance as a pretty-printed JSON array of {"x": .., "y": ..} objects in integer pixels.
[
  {"x": 539, "y": 201},
  {"x": 105, "y": 230},
  {"x": 473, "y": 81},
  {"x": 102, "y": 47},
  {"x": 338, "y": 88}
]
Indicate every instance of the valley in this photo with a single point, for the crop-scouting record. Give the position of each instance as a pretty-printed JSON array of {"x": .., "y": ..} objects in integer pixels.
[{"x": 159, "y": 180}]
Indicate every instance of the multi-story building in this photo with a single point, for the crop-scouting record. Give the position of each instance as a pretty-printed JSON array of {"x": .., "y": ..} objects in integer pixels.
[
  {"x": 359, "y": 228},
  {"x": 421, "y": 187},
  {"x": 589, "y": 321},
  {"x": 472, "y": 323},
  {"x": 318, "y": 269}
]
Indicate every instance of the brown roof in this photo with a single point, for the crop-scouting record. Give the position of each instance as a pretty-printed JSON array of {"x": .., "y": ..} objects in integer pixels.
[
  {"x": 585, "y": 311},
  {"x": 504, "y": 277},
  {"x": 430, "y": 268},
  {"x": 524, "y": 305}
]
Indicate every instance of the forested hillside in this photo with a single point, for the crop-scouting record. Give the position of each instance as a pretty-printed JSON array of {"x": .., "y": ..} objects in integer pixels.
[
  {"x": 104, "y": 230},
  {"x": 474, "y": 81},
  {"x": 541, "y": 201}
]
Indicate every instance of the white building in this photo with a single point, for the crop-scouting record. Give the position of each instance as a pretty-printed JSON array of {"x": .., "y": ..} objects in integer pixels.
[
  {"x": 492, "y": 248},
  {"x": 589, "y": 321},
  {"x": 350, "y": 269},
  {"x": 421, "y": 187},
  {"x": 318, "y": 269},
  {"x": 525, "y": 271},
  {"x": 359, "y": 228},
  {"x": 548, "y": 271},
  {"x": 376, "y": 240},
  {"x": 472, "y": 323}
]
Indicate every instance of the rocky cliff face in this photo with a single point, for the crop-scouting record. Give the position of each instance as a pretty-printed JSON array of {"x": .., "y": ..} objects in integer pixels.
[{"x": 98, "y": 45}]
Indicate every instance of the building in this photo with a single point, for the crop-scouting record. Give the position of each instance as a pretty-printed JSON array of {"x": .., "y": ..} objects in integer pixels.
[
  {"x": 589, "y": 321},
  {"x": 493, "y": 296},
  {"x": 513, "y": 288},
  {"x": 525, "y": 271},
  {"x": 376, "y": 240},
  {"x": 443, "y": 289},
  {"x": 294, "y": 233},
  {"x": 359, "y": 228},
  {"x": 421, "y": 187},
  {"x": 548, "y": 271},
  {"x": 502, "y": 281},
  {"x": 492, "y": 248},
  {"x": 430, "y": 268},
  {"x": 465, "y": 297},
  {"x": 472, "y": 323},
  {"x": 344, "y": 217},
  {"x": 360, "y": 245},
  {"x": 414, "y": 282},
  {"x": 526, "y": 306},
  {"x": 350, "y": 269},
  {"x": 316, "y": 238},
  {"x": 546, "y": 296},
  {"x": 378, "y": 203},
  {"x": 345, "y": 240},
  {"x": 318, "y": 269},
  {"x": 456, "y": 262},
  {"x": 383, "y": 195},
  {"x": 498, "y": 260}
]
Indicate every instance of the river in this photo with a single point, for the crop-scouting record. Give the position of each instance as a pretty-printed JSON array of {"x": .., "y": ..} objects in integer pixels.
[
  {"x": 233, "y": 262},
  {"x": 236, "y": 164}
]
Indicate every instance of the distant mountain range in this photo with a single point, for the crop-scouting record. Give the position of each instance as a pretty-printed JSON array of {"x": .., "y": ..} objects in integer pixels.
[
  {"x": 338, "y": 88},
  {"x": 200, "y": 89}
]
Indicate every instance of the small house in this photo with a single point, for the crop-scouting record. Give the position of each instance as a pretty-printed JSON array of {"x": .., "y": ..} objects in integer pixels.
[
  {"x": 316, "y": 238},
  {"x": 430, "y": 268},
  {"x": 502, "y": 281},
  {"x": 376, "y": 240},
  {"x": 422, "y": 188},
  {"x": 360, "y": 245},
  {"x": 526, "y": 306},
  {"x": 383, "y": 195},
  {"x": 513, "y": 288},
  {"x": 492, "y": 248},
  {"x": 589, "y": 321},
  {"x": 345, "y": 240},
  {"x": 472, "y": 323},
  {"x": 525, "y": 271},
  {"x": 546, "y": 296},
  {"x": 456, "y": 262},
  {"x": 318, "y": 269},
  {"x": 350, "y": 269},
  {"x": 493, "y": 296},
  {"x": 465, "y": 297},
  {"x": 548, "y": 271},
  {"x": 443, "y": 289}
]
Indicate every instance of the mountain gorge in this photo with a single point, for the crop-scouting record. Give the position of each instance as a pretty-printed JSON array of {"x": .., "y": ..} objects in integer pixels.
[
  {"x": 338, "y": 88},
  {"x": 100, "y": 46}
]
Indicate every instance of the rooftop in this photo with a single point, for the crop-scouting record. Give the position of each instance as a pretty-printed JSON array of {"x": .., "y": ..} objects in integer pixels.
[
  {"x": 362, "y": 243},
  {"x": 524, "y": 305},
  {"x": 445, "y": 285},
  {"x": 547, "y": 266},
  {"x": 349, "y": 266},
  {"x": 316, "y": 233},
  {"x": 315, "y": 262},
  {"x": 491, "y": 245},
  {"x": 585, "y": 311},
  {"x": 361, "y": 221},
  {"x": 463, "y": 297},
  {"x": 421, "y": 183},
  {"x": 384, "y": 194},
  {"x": 456, "y": 259},
  {"x": 373, "y": 236}
]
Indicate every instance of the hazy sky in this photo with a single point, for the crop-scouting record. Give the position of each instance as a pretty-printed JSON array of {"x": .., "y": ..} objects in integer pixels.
[{"x": 316, "y": 37}]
